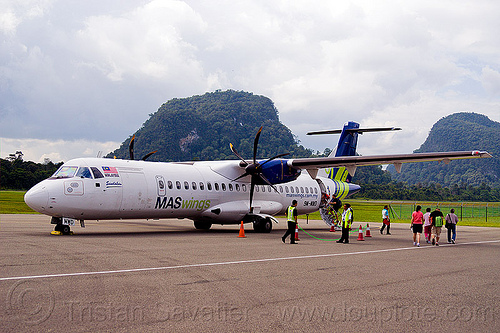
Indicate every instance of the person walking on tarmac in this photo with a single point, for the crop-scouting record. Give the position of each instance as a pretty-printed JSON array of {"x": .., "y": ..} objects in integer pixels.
[
  {"x": 437, "y": 223},
  {"x": 346, "y": 224},
  {"x": 385, "y": 220},
  {"x": 451, "y": 225},
  {"x": 291, "y": 217},
  {"x": 417, "y": 220}
]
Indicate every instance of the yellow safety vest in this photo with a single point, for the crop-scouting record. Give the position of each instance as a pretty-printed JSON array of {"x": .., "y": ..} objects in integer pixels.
[
  {"x": 347, "y": 218},
  {"x": 289, "y": 215}
]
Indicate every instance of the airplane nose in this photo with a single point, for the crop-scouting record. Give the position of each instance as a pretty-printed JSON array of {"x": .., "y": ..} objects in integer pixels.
[{"x": 37, "y": 198}]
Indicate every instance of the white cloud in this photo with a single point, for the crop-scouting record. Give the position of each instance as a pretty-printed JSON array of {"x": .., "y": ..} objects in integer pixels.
[
  {"x": 37, "y": 150},
  {"x": 94, "y": 70}
]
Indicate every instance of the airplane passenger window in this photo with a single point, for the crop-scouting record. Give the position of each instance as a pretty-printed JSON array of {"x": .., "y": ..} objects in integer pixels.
[
  {"x": 223, "y": 186},
  {"x": 178, "y": 184},
  {"x": 263, "y": 188},
  {"x": 209, "y": 186},
  {"x": 96, "y": 172},
  {"x": 193, "y": 185},
  {"x": 256, "y": 189},
  {"x": 230, "y": 187},
  {"x": 237, "y": 187},
  {"x": 307, "y": 190},
  {"x": 244, "y": 187},
  {"x": 216, "y": 185},
  {"x": 315, "y": 190},
  {"x": 297, "y": 189},
  {"x": 186, "y": 185},
  {"x": 169, "y": 184},
  {"x": 311, "y": 189},
  {"x": 84, "y": 172},
  {"x": 281, "y": 189},
  {"x": 286, "y": 189},
  {"x": 301, "y": 189},
  {"x": 291, "y": 189},
  {"x": 268, "y": 188},
  {"x": 202, "y": 186}
]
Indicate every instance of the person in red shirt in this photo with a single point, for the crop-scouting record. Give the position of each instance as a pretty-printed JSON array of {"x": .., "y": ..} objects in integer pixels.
[{"x": 417, "y": 219}]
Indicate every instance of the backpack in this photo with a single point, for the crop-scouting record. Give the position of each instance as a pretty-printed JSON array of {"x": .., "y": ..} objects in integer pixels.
[{"x": 438, "y": 221}]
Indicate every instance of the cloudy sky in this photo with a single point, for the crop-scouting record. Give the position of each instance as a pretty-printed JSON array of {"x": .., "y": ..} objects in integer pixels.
[{"x": 78, "y": 77}]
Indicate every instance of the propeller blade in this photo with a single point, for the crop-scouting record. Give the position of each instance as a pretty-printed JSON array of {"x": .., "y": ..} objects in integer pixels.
[
  {"x": 275, "y": 157},
  {"x": 268, "y": 182},
  {"x": 255, "y": 144},
  {"x": 236, "y": 153},
  {"x": 243, "y": 175},
  {"x": 131, "y": 148},
  {"x": 148, "y": 154},
  {"x": 252, "y": 187}
]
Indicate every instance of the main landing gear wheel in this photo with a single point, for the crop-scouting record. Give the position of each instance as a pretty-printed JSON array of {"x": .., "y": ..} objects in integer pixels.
[
  {"x": 64, "y": 229},
  {"x": 202, "y": 225},
  {"x": 263, "y": 225}
]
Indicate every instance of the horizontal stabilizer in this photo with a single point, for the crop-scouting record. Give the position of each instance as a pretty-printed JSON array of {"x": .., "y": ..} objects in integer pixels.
[{"x": 357, "y": 130}]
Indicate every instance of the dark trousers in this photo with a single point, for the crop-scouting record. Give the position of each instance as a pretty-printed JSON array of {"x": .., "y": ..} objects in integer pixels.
[
  {"x": 345, "y": 235},
  {"x": 383, "y": 227},
  {"x": 452, "y": 232},
  {"x": 290, "y": 231}
]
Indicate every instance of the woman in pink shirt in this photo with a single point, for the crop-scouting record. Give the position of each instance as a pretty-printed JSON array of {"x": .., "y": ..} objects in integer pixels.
[{"x": 417, "y": 219}]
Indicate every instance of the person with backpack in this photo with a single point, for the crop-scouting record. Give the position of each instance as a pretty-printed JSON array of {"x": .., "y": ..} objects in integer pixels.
[
  {"x": 437, "y": 219},
  {"x": 451, "y": 225}
]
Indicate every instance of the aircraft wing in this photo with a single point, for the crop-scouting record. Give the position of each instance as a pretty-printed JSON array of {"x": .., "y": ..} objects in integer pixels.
[{"x": 351, "y": 162}]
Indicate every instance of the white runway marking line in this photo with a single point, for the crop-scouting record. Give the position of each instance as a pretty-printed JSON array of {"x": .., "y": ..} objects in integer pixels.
[{"x": 31, "y": 277}]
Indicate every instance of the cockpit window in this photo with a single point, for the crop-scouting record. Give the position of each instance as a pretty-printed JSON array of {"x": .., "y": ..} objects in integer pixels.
[
  {"x": 97, "y": 173},
  {"x": 84, "y": 172},
  {"x": 65, "y": 172}
]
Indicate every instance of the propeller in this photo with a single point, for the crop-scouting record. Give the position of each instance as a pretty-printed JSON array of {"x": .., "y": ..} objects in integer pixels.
[
  {"x": 131, "y": 147},
  {"x": 254, "y": 170},
  {"x": 131, "y": 150}
]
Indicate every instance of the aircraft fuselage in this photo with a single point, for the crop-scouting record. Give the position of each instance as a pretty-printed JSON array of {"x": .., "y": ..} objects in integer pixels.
[{"x": 98, "y": 189}]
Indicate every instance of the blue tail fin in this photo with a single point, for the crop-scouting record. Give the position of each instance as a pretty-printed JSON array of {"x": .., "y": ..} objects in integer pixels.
[{"x": 345, "y": 147}]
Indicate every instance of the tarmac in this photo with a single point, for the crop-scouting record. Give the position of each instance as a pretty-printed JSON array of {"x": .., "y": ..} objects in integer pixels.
[{"x": 164, "y": 275}]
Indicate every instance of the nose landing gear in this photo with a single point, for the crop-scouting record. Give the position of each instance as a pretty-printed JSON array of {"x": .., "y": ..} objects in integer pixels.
[{"x": 60, "y": 228}]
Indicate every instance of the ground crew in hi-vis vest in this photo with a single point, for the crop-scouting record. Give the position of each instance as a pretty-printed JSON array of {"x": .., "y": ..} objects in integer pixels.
[
  {"x": 291, "y": 217},
  {"x": 346, "y": 224}
]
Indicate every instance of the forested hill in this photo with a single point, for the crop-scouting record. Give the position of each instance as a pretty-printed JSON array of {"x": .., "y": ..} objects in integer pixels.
[
  {"x": 201, "y": 128},
  {"x": 458, "y": 131}
]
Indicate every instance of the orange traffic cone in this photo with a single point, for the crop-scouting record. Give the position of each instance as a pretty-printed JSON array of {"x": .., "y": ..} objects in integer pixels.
[
  {"x": 360, "y": 235},
  {"x": 297, "y": 232},
  {"x": 332, "y": 229},
  {"x": 368, "y": 233},
  {"x": 242, "y": 231}
]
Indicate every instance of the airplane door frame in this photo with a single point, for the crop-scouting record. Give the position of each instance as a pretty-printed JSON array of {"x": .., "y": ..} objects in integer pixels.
[{"x": 161, "y": 186}]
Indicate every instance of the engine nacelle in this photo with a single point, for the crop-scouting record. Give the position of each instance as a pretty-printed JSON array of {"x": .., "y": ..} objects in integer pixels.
[{"x": 277, "y": 172}]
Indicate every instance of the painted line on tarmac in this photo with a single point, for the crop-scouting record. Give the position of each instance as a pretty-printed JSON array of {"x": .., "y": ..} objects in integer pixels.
[{"x": 32, "y": 277}]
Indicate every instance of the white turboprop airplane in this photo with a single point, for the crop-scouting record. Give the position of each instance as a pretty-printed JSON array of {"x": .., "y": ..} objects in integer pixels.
[{"x": 210, "y": 192}]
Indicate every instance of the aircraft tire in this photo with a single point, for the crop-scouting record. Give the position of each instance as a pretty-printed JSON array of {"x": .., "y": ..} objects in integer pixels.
[
  {"x": 65, "y": 229},
  {"x": 202, "y": 225},
  {"x": 264, "y": 226}
]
